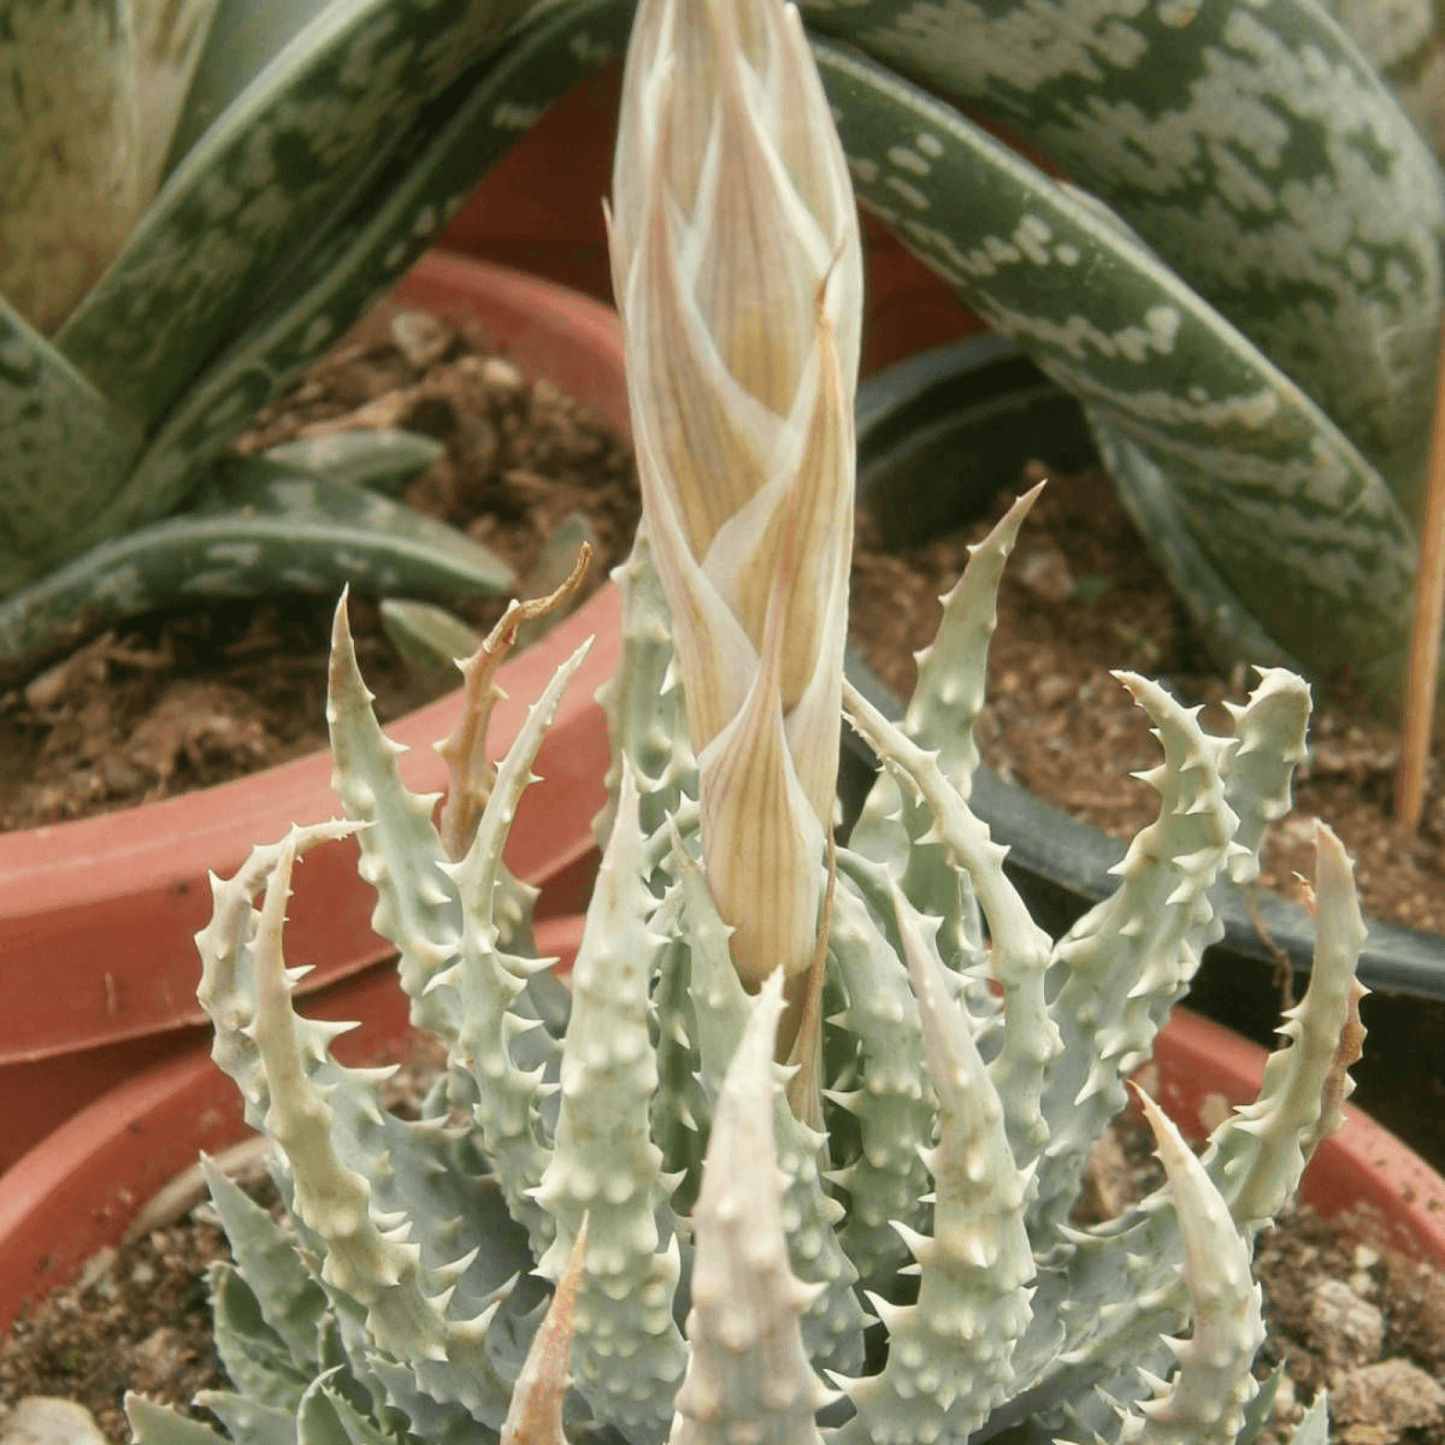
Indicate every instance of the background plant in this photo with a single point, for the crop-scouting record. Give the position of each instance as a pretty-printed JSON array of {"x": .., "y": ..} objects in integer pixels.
[
  {"x": 901, "y": 1225},
  {"x": 1255, "y": 339},
  {"x": 241, "y": 181},
  {"x": 1251, "y": 322}
]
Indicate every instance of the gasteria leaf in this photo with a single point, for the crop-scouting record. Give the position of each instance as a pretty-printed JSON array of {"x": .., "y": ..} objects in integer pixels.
[
  {"x": 1285, "y": 512},
  {"x": 272, "y": 523},
  {"x": 1250, "y": 146}
]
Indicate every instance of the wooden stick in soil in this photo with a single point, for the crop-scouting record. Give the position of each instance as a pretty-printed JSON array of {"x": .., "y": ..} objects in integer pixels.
[{"x": 1423, "y": 661}]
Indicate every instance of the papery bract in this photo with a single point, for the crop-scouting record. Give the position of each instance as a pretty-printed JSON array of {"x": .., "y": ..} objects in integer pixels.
[{"x": 737, "y": 265}]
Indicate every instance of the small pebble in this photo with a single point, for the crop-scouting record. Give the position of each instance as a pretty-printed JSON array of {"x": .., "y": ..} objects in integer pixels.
[
  {"x": 1364, "y": 1284},
  {"x": 1045, "y": 572},
  {"x": 501, "y": 374},
  {"x": 421, "y": 338},
  {"x": 1055, "y": 689},
  {"x": 1378, "y": 1401},
  {"x": 96, "y": 1268},
  {"x": 160, "y": 1359},
  {"x": 1345, "y": 1329},
  {"x": 42, "y": 1420}
]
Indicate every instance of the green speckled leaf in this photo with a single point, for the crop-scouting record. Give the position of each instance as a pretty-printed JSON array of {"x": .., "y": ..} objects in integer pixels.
[
  {"x": 63, "y": 450},
  {"x": 260, "y": 183},
  {"x": 1405, "y": 41},
  {"x": 275, "y": 530},
  {"x": 1292, "y": 515},
  {"x": 320, "y": 533},
  {"x": 429, "y": 174},
  {"x": 1307, "y": 575},
  {"x": 429, "y": 638},
  {"x": 381, "y": 459},
  {"x": 1229, "y": 629},
  {"x": 170, "y": 37},
  {"x": 1250, "y": 144}
]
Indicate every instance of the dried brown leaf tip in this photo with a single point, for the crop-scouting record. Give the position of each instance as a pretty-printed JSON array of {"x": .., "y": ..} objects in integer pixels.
[
  {"x": 469, "y": 774},
  {"x": 1338, "y": 1084},
  {"x": 535, "y": 1415}
]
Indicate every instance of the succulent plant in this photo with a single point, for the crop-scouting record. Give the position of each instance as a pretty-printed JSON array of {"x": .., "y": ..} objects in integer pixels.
[
  {"x": 240, "y": 180},
  {"x": 399, "y": 1298},
  {"x": 631, "y": 1142},
  {"x": 1209, "y": 295},
  {"x": 835, "y": 1197}
]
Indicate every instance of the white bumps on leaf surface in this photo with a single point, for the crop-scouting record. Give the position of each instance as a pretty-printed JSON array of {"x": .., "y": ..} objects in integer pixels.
[
  {"x": 1204, "y": 1405},
  {"x": 749, "y": 1376}
]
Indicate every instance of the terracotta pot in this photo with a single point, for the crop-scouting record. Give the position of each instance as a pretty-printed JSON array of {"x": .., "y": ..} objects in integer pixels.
[
  {"x": 539, "y": 209},
  {"x": 77, "y": 1191},
  {"x": 79, "y": 1188},
  {"x": 97, "y": 965}
]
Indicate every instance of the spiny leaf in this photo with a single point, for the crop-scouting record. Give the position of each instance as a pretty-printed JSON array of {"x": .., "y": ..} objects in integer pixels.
[
  {"x": 605, "y": 1165},
  {"x": 160, "y": 1425},
  {"x": 748, "y": 1376},
  {"x": 1205, "y": 1402},
  {"x": 950, "y": 1355},
  {"x": 1019, "y": 954}
]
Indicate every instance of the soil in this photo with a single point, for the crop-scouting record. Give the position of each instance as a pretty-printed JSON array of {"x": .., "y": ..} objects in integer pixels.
[
  {"x": 1365, "y": 1323},
  {"x": 185, "y": 698}
]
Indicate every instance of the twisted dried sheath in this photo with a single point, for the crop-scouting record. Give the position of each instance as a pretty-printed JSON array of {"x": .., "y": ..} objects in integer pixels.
[{"x": 737, "y": 265}]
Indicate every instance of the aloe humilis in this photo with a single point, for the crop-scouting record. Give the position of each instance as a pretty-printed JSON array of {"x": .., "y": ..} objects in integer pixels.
[{"x": 887, "y": 1254}]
